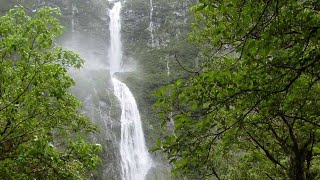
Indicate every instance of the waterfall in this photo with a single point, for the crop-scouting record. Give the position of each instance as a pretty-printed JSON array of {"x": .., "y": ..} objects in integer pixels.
[
  {"x": 74, "y": 10},
  {"x": 72, "y": 23},
  {"x": 115, "y": 52},
  {"x": 168, "y": 67},
  {"x": 151, "y": 25},
  {"x": 135, "y": 159},
  {"x": 168, "y": 74}
]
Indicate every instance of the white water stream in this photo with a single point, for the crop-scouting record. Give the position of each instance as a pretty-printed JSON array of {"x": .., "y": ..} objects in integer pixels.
[
  {"x": 74, "y": 10},
  {"x": 151, "y": 25},
  {"x": 135, "y": 159},
  {"x": 168, "y": 67}
]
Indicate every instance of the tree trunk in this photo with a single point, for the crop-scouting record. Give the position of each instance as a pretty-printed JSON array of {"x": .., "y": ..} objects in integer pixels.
[{"x": 297, "y": 167}]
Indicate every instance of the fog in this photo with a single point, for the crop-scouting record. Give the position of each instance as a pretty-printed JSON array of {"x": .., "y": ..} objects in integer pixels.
[{"x": 94, "y": 51}]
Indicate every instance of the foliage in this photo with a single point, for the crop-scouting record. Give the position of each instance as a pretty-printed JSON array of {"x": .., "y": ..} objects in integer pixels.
[
  {"x": 252, "y": 110},
  {"x": 41, "y": 131}
]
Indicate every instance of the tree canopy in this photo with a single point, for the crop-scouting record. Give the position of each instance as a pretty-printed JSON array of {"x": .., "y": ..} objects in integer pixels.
[
  {"x": 42, "y": 133},
  {"x": 252, "y": 110}
]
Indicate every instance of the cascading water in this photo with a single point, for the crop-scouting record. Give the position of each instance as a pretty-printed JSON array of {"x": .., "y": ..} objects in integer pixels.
[
  {"x": 168, "y": 74},
  {"x": 135, "y": 159},
  {"x": 74, "y": 10},
  {"x": 115, "y": 52},
  {"x": 72, "y": 22},
  {"x": 151, "y": 25},
  {"x": 168, "y": 67}
]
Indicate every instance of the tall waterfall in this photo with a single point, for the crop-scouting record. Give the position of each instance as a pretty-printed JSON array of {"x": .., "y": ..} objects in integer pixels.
[
  {"x": 168, "y": 67},
  {"x": 151, "y": 25},
  {"x": 74, "y": 10},
  {"x": 72, "y": 22},
  {"x": 135, "y": 159},
  {"x": 115, "y": 51}
]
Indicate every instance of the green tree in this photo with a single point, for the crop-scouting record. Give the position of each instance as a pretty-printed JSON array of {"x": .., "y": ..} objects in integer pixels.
[
  {"x": 41, "y": 130},
  {"x": 252, "y": 110}
]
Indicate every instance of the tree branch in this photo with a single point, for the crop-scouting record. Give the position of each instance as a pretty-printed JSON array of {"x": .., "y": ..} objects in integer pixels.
[{"x": 267, "y": 153}]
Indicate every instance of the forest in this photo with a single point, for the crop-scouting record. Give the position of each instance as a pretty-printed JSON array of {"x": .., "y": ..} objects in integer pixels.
[{"x": 157, "y": 90}]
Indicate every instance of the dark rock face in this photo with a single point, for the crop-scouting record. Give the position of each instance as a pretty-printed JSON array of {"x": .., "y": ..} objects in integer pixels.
[
  {"x": 135, "y": 21},
  {"x": 171, "y": 20},
  {"x": 95, "y": 90}
]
